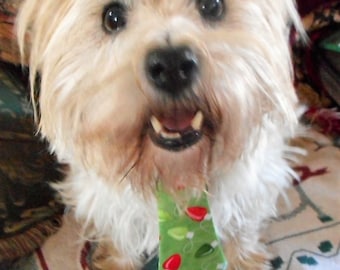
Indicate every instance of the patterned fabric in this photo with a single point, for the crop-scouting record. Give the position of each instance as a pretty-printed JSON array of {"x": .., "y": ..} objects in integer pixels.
[
  {"x": 316, "y": 69},
  {"x": 306, "y": 7},
  {"x": 8, "y": 46},
  {"x": 307, "y": 233},
  {"x": 16, "y": 120},
  {"x": 28, "y": 210},
  {"x": 187, "y": 238},
  {"x": 63, "y": 250}
]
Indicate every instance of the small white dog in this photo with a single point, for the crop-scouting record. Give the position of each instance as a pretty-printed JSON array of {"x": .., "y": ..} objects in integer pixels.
[{"x": 197, "y": 94}]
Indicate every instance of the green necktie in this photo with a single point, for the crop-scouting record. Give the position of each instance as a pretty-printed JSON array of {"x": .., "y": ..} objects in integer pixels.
[{"x": 188, "y": 240}]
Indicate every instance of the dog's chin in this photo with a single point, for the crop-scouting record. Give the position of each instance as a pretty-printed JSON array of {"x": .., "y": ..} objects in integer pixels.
[
  {"x": 178, "y": 166},
  {"x": 176, "y": 147},
  {"x": 179, "y": 158}
]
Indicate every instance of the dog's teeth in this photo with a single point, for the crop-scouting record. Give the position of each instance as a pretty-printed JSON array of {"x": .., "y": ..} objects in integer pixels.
[
  {"x": 172, "y": 135},
  {"x": 157, "y": 126},
  {"x": 197, "y": 121}
]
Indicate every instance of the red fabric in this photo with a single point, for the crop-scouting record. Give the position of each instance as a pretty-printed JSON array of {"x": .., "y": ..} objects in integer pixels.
[
  {"x": 306, "y": 6},
  {"x": 42, "y": 260},
  {"x": 84, "y": 256}
]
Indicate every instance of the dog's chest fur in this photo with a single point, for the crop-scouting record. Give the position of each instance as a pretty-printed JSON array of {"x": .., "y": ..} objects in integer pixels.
[{"x": 131, "y": 222}]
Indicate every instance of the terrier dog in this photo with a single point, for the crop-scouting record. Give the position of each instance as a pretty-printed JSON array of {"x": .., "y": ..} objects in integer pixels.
[{"x": 197, "y": 94}]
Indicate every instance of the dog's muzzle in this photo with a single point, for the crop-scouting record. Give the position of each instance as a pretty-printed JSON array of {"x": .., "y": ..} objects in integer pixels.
[{"x": 172, "y": 71}]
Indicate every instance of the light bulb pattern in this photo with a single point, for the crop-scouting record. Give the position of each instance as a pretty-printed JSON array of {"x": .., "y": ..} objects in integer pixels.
[{"x": 188, "y": 240}]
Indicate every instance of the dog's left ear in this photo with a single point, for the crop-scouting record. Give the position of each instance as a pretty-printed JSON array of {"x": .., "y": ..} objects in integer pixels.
[
  {"x": 293, "y": 19},
  {"x": 283, "y": 14}
]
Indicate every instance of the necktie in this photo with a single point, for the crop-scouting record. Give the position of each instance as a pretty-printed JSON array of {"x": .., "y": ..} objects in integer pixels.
[{"x": 188, "y": 239}]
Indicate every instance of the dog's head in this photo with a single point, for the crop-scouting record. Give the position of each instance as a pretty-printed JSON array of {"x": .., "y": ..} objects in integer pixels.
[{"x": 143, "y": 90}]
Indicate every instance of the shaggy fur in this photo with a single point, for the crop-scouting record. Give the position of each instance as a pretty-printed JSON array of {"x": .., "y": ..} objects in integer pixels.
[{"x": 96, "y": 104}]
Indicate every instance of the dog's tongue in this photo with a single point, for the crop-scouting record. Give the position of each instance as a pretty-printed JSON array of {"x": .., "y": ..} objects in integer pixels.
[{"x": 178, "y": 121}]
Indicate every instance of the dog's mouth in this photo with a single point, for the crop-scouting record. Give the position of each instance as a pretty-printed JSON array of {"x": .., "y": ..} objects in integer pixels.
[{"x": 178, "y": 131}]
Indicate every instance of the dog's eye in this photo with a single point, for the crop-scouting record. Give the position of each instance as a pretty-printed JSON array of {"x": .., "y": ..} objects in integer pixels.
[
  {"x": 212, "y": 10},
  {"x": 114, "y": 17}
]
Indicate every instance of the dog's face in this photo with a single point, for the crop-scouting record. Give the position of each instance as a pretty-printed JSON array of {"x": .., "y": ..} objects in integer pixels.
[{"x": 141, "y": 90}]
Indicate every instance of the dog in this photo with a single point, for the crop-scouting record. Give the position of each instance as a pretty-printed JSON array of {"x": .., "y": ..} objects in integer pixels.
[{"x": 195, "y": 94}]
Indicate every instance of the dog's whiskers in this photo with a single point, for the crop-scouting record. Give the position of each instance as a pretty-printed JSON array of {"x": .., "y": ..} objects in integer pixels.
[
  {"x": 129, "y": 170},
  {"x": 134, "y": 164}
]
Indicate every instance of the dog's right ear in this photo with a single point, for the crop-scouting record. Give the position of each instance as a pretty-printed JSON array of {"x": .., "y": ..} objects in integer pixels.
[
  {"x": 23, "y": 22},
  {"x": 35, "y": 24}
]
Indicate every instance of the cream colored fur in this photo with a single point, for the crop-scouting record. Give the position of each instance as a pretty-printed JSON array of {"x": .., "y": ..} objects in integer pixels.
[{"x": 96, "y": 102}]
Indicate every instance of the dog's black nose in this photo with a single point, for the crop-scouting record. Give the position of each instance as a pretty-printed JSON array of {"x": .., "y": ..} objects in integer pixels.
[{"x": 171, "y": 69}]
